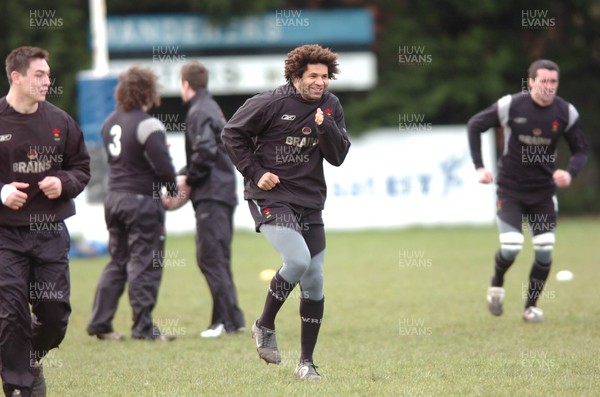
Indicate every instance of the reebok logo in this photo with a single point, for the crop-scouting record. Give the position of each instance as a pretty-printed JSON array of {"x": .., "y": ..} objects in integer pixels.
[
  {"x": 5, "y": 137},
  {"x": 288, "y": 117}
]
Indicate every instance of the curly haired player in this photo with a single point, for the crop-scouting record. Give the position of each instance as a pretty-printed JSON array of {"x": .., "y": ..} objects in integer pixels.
[
  {"x": 139, "y": 167},
  {"x": 278, "y": 141}
]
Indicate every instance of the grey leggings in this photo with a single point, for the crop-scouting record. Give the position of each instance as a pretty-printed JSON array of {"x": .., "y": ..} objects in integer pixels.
[{"x": 298, "y": 263}]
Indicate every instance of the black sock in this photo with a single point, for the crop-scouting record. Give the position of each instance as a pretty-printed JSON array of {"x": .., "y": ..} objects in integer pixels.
[
  {"x": 501, "y": 266},
  {"x": 279, "y": 290},
  {"x": 311, "y": 314},
  {"x": 537, "y": 280}
]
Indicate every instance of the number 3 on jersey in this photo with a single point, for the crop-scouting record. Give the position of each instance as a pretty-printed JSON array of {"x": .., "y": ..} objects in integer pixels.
[{"x": 114, "y": 147}]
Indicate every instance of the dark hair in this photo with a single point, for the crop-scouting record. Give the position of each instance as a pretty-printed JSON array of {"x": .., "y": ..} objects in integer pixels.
[
  {"x": 196, "y": 74},
  {"x": 20, "y": 58},
  {"x": 137, "y": 88},
  {"x": 541, "y": 64},
  {"x": 298, "y": 59}
]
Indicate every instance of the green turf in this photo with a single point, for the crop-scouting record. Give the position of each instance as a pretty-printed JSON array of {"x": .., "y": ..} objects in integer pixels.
[{"x": 405, "y": 315}]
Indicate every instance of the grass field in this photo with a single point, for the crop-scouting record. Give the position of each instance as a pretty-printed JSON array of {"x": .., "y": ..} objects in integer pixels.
[{"x": 405, "y": 315}]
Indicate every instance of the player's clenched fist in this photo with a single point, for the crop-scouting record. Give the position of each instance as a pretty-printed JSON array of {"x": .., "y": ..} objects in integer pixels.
[
  {"x": 484, "y": 176},
  {"x": 562, "y": 178},
  {"x": 51, "y": 186},
  {"x": 268, "y": 181},
  {"x": 13, "y": 197},
  {"x": 184, "y": 192},
  {"x": 319, "y": 116}
]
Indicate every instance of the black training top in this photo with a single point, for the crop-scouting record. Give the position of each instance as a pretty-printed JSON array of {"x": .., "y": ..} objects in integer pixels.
[
  {"x": 276, "y": 132},
  {"x": 531, "y": 135},
  {"x": 138, "y": 156},
  {"x": 208, "y": 168},
  {"x": 33, "y": 146}
]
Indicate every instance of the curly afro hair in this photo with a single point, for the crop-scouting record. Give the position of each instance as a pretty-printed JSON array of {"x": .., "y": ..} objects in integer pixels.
[
  {"x": 298, "y": 59},
  {"x": 137, "y": 87}
]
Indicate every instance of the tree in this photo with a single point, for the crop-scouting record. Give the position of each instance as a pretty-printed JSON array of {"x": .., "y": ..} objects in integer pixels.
[{"x": 60, "y": 29}]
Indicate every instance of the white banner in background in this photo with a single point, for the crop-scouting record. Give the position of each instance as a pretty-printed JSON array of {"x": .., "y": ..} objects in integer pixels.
[
  {"x": 395, "y": 178},
  {"x": 251, "y": 74},
  {"x": 390, "y": 179}
]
